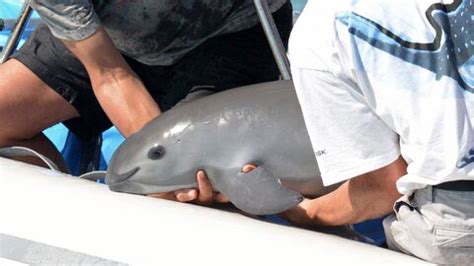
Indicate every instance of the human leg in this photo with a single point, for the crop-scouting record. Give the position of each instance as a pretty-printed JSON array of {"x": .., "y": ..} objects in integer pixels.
[
  {"x": 56, "y": 67},
  {"x": 46, "y": 78},
  {"x": 27, "y": 107}
]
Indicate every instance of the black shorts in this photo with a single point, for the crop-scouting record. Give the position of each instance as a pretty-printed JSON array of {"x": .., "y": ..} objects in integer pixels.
[{"x": 222, "y": 62}]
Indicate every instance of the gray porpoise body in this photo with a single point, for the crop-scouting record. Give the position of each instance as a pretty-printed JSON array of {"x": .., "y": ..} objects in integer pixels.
[{"x": 260, "y": 124}]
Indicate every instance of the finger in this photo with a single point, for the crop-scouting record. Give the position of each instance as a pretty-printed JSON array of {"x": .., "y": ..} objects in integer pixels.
[
  {"x": 166, "y": 196},
  {"x": 206, "y": 192},
  {"x": 248, "y": 168},
  {"x": 186, "y": 195},
  {"x": 221, "y": 198}
]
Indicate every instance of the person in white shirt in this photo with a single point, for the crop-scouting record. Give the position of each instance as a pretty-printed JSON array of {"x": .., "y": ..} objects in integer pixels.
[{"x": 387, "y": 92}]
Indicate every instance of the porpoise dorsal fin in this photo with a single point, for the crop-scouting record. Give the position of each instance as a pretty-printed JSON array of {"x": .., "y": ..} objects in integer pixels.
[{"x": 257, "y": 192}]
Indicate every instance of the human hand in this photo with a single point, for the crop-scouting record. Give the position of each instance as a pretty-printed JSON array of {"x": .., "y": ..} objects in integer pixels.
[{"x": 203, "y": 195}]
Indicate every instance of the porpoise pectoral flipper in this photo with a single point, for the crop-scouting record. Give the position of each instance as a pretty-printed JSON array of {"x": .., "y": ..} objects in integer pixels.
[{"x": 257, "y": 192}]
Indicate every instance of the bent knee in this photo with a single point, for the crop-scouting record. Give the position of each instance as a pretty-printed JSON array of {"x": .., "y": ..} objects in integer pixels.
[
  {"x": 12, "y": 137},
  {"x": 27, "y": 104},
  {"x": 8, "y": 141}
]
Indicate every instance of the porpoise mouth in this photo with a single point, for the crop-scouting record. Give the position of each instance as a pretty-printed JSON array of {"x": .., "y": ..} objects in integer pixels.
[{"x": 115, "y": 178}]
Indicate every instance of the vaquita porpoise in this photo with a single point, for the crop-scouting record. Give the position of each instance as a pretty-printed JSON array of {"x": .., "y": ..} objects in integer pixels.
[{"x": 260, "y": 124}]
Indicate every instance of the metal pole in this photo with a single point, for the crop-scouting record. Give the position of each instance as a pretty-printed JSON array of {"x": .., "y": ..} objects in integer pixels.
[
  {"x": 14, "y": 38},
  {"x": 273, "y": 37}
]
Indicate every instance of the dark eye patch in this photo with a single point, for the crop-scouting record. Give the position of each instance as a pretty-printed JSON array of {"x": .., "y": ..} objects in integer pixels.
[{"x": 156, "y": 153}]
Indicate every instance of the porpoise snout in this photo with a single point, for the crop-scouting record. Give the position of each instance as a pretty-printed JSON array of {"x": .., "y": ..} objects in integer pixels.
[{"x": 113, "y": 178}]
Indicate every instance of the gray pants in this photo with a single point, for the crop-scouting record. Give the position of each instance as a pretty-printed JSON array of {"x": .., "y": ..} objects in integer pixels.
[{"x": 435, "y": 225}]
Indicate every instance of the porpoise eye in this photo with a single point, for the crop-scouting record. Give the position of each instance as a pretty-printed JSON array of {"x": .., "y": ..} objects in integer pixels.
[{"x": 156, "y": 153}]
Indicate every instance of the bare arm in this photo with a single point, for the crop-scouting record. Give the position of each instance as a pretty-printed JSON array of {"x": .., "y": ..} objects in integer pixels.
[
  {"x": 364, "y": 197},
  {"x": 118, "y": 89}
]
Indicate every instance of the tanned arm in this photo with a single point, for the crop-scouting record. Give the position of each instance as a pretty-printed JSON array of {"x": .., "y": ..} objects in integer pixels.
[
  {"x": 364, "y": 197},
  {"x": 118, "y": 89}
]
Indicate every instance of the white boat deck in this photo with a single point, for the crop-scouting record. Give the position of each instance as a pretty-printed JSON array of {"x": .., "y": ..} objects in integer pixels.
[{"x": 50, "y": 218}]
